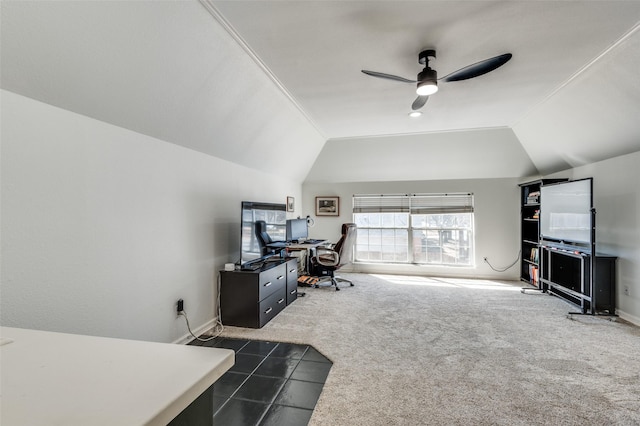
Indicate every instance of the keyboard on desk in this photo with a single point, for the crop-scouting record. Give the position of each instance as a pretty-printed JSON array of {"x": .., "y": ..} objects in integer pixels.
[{"x": 314, "y": 241}]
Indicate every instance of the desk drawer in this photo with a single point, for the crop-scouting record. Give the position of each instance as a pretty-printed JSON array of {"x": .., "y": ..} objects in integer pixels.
[
  {"x": 271, "y": 306},
  {"x": 292, "y": 280},
  {"x": 271, "y": 281}
]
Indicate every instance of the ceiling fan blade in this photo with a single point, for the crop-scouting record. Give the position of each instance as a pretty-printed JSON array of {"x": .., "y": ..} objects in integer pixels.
[
  {"x": 419, "y": 102},
  {"x": 388, "y": 76},
  {"x": 479, "y": 68}
]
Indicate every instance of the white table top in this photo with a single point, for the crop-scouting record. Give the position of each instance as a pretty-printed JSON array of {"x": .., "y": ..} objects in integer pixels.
[{"x": 64, "y": 379}]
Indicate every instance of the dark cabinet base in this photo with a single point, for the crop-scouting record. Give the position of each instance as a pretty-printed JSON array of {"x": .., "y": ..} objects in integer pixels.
[
  {"x": 567, "y": 274},
  {"x": 252, "y": 298}
]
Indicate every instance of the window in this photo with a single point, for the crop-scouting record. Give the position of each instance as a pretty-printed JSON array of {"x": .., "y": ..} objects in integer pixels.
[{"x": 434, "y": 229}]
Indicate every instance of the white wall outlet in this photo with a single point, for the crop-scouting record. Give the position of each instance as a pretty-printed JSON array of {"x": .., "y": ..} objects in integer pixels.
[{"x": 626, "y": 290}]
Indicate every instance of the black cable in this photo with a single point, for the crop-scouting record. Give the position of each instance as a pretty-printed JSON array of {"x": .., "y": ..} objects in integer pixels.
[
  {"x": 508, "y": 267},
  {"x": 218, "y": 323},
  {"x": 218, "y": 320}
]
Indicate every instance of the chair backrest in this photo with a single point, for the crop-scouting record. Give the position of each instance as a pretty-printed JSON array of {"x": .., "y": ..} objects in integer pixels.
[
  {"x": 344, "y": 246},
  {"x": 263, "y": 236}
]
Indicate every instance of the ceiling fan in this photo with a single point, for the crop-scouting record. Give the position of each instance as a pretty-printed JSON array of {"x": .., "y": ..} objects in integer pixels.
[{"x": 427, "y": 79}]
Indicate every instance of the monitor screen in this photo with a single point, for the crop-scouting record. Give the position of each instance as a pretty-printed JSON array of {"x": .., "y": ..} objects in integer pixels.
[
  {"x": 297, "y": 229},
  {"x": 273, "y": 214},
  {"x": 565, "y": 211}
]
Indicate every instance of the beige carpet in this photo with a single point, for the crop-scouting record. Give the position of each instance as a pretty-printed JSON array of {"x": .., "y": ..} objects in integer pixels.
[{"x": 435, "y": 351}]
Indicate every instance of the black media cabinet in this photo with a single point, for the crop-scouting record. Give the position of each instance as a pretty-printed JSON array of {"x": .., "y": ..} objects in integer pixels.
[
  {"x": 252, "y": 298},
  {"x": 566, "y": 272}
]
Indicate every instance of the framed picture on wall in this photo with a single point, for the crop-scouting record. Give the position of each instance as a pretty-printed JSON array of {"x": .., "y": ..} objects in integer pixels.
[
  {"x": 327, "y": 206},
  {"x": 291, "y": 204}
]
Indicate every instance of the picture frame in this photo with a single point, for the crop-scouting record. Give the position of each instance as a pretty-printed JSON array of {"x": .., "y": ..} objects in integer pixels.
[
  {"x": 291, "y": 204},
  {"x": 327, "y": 206}
]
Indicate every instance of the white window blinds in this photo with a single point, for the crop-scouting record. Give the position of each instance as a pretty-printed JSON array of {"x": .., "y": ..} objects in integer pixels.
[
  {"x": 441, "y": 203},
  {"x": 414, "y": 203},
  {"x": 381, "y": 203}
]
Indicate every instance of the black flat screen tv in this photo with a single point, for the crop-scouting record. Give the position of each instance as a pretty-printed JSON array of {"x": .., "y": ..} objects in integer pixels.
[
  {"x": 566, "y": 211},
  {"x": 275, "y": 215}
]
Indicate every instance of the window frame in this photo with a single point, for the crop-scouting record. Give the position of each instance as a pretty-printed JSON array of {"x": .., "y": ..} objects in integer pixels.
[{"x": 413, "y": 205}]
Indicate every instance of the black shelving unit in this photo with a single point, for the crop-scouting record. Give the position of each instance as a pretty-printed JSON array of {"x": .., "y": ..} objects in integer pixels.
[{"x": 530, "y": 231}]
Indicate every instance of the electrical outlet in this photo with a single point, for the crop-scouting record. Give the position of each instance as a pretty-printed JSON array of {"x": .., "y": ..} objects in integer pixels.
[
  {"x": 180, "y": 306},
  {"x": 626, "y": 290}
]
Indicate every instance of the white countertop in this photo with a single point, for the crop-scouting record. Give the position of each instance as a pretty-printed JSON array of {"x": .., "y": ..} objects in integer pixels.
[{"x": 65, "y": 379}]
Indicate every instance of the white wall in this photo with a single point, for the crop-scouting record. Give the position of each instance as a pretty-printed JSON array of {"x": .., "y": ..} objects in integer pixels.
[
  {"x": 497, "y": 230},
  {"x": 469, "y": 154},
  {"x": 166, "y": 69},
  {"x": 103, "y": 229},
  {"x": 616, "y": 193},
  {"x": 593, "y": 116}
]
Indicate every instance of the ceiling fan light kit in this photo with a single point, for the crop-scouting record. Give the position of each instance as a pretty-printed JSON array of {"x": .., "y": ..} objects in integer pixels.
[{"x": 427, "y": 80}]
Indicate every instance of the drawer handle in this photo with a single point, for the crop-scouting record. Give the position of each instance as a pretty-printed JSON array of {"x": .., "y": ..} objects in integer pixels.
[
  {"x": 293, "y": 291},
  {"x": 280, "y": 277},
  {"x": 267, "y": 284},
  {"x": 268, "y": 310},
  {"x": 280, "y": 301},
  {"x": 292, "y": 270}
]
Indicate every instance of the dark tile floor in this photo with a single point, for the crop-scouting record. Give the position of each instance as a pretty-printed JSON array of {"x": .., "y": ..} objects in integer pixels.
[{"x": 271, "y": 383}]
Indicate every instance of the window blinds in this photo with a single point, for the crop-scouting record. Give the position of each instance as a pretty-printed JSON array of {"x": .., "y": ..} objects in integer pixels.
[
  {"x": 414, "y": 203},
  {"x": 381, "y": 203}
]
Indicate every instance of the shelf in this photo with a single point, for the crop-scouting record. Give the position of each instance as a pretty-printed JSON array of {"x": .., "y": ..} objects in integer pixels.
[{"x": 530, "y": 206}]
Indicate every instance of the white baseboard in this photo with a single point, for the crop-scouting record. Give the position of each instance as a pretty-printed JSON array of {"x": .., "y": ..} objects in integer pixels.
[
  {"x": 198, "y": 331},
  {"x": 628, "y": 317}
]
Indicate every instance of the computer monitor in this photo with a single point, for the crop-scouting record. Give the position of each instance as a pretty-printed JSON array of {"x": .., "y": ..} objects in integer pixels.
[{"x": 297, "y": 229}]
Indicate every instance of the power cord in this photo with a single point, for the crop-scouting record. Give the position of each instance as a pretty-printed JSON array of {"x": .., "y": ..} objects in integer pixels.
[
  {"x": 184, "y": 314},
  {"x": 508, "y": 267},
  {"x": 217, "y": 329}
]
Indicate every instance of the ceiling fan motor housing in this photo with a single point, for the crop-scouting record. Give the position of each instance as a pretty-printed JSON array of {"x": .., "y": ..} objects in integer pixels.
[{"x": 427, "y": 74}]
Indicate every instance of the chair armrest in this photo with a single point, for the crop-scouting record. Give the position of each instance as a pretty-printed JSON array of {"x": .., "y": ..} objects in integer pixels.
[{"x": 327, "y": 257}]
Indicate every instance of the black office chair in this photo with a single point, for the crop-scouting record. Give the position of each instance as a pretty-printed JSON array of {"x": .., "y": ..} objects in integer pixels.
[
  {"x": 263, "y": 237},
  {"x": 330, "y": 259}
]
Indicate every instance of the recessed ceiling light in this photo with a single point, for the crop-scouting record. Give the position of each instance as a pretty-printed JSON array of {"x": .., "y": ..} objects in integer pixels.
[{"x": 414, "y": 114}]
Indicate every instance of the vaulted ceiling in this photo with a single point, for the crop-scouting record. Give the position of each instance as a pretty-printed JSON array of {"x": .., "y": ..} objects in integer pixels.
[{"x": 244, "y": 80}]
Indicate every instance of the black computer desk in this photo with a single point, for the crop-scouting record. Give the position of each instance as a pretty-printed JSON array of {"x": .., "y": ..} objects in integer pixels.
[{"x": 308, "y": 248}]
